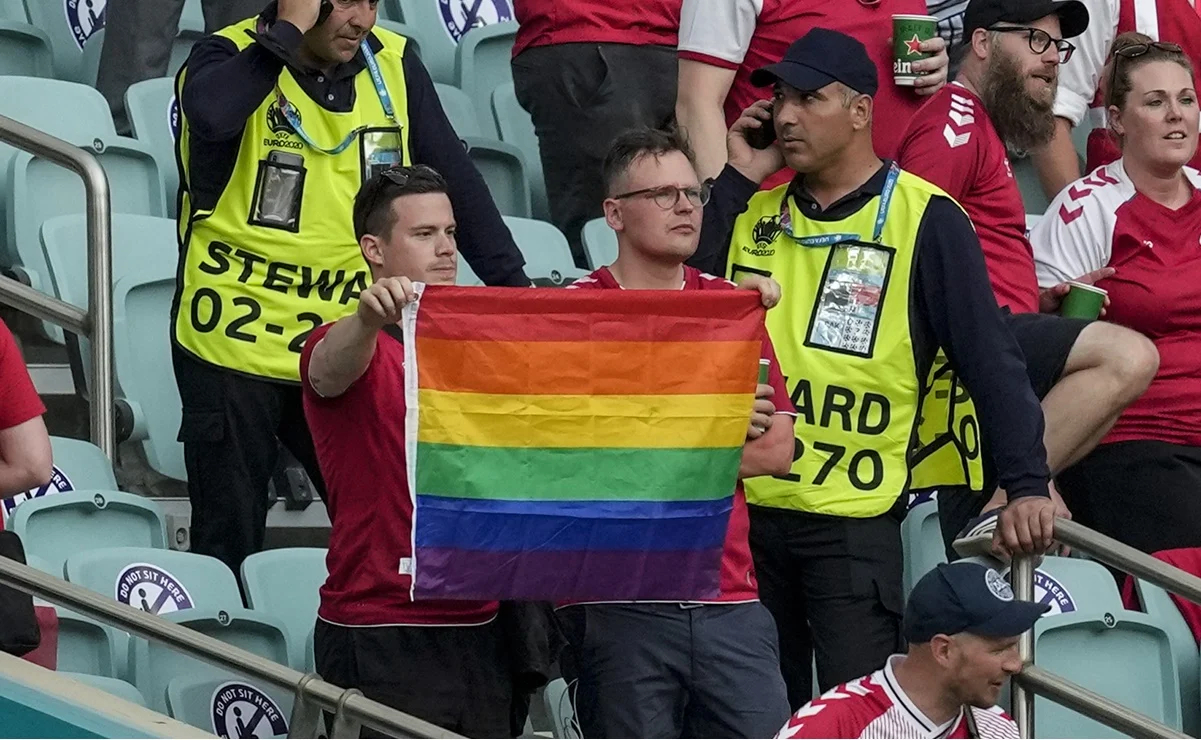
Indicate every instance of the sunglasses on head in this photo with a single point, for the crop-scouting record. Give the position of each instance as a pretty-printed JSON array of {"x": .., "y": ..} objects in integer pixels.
[{"x": 1134, "y": 51}]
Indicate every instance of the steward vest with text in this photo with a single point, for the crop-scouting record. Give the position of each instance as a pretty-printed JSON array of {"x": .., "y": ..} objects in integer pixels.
[
  {"x": 868, "y": 429},
  {"x": 277, "y": 256}
]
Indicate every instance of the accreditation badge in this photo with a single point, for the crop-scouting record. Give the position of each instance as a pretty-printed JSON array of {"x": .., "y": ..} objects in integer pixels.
[
  {"x": 380, "y": 149},
  {"x": 847, "y": 314}
]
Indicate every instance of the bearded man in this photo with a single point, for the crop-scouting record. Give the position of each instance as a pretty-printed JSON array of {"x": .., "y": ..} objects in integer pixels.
[{"x": 1083, "y": 372}]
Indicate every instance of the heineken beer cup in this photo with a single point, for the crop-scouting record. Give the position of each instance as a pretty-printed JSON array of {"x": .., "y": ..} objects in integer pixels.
[{"x": 908, "y": 32}]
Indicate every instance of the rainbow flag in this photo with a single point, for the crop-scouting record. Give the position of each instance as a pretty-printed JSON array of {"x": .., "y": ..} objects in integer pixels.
[{"x": 575, "y": 444}]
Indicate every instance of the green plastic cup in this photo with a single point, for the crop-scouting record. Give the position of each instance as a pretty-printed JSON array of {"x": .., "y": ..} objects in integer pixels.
[
  {"x": 1083, "y": 301},
  {"x": 764, "y": 364},
  {"x": 907, "y": 32}
]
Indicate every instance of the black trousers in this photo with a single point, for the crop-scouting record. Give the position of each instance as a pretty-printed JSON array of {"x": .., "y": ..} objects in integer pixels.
[
  {"x": 833, "y": 585},
  {"x": 580, "y": 97},
  {"x": 672, "y": 671},
  {"x": 231, "y": 431},
  {"x": 455, "y": 677}
]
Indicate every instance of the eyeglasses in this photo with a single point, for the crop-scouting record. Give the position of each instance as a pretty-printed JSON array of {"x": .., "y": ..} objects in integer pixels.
[
  {"x": 667, "y": 196},
  {"x": 1135, "y": 51},
  {"x": 1040, "y": 41},
  {"x": 398, "y": 175}
]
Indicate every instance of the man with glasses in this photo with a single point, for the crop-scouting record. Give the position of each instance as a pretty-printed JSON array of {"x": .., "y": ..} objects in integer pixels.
[
  {"x": 282, "y": 118},
  {"x": 879, "y": 270},
  {"x": 1084, "y": 372},
  {"x": 662, "y": 669}
]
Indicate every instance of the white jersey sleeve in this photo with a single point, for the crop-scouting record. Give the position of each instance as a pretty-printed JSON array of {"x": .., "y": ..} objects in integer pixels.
[
  {"x": 1079, "y": 77},
  {"x": 1075, "y": 236},
  {"x": 719, "y": 29}
]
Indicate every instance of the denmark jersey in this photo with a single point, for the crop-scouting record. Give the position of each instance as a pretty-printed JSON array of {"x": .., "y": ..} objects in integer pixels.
[
  {"x": 546, "y": 22},
  {"x": 952, "y": 143},
  {"x": 1101, "y": 220},
  {"x": 738, "y": 583},
  {"x": 875, "y": 706},
  {"x": 1079, "y": 80}
]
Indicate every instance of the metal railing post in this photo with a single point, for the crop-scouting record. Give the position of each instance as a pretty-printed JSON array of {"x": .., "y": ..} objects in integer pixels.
[
  {"x": 1022, "y": 575},
  {"x": 96, "y": 324}
]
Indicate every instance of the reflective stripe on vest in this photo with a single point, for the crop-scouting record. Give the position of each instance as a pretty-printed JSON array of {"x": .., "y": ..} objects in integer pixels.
[
  {"x": 845, "y": 344},
  {"x": 251, "y": 291}
]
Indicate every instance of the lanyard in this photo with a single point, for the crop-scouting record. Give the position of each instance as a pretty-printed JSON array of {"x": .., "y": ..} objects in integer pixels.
[
  {"x": 381, "y": 89},
  {"x": 829, "y": 240}
]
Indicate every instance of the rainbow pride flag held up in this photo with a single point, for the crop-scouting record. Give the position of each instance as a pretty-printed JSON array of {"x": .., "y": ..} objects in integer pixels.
[{"x": 575, "y": 445}]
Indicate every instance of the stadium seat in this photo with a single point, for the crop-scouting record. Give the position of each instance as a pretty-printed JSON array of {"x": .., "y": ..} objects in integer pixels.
[
  {"x": 168, "y": 580},
  {"x": 77, "y": 465},
  {"x": 921, "y": 537},
  {"x": 24, "y": 49},
  {"x": 115, "y": 686},
  {"x": 389, "y": 10},
  {"x": 142, "y": 349},
  {"x": 409, "y": 32},
  {"x": 516, "y": 128},
  {"x": 226, "y": 705},
  {"x": 55, "y": 527},
  {"x": 600, "y": 243},
  {"x": 154, "y": 665},
  {"x": 558, "y": 707},
  {"x": 1158, "y": 605},
  {"x": 1076, "y": 584},
  {"x": 310, "y": 654},
  {"x": 153, "y": 118},
  {"x": 1103, "y": 652},
  {"x": 285, "y": 582},
  {"x": 440, "y": 38},
  {"x": 69, "y": 24},
  {"x": 501, "y": 165},
  {"x": 465, "y": 275},
  {"x": 1032, "y": 190},
  {"x": 14, "y": 11},
  {"x": 547, "y": 254},
  {"x": 87, "y": 646},
  {"x": 482, "y": 64},
  {"x": 1032, "y": 220}
]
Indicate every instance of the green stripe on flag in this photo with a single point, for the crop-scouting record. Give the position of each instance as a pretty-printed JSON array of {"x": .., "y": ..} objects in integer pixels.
[{"x": 576, "y": 474}]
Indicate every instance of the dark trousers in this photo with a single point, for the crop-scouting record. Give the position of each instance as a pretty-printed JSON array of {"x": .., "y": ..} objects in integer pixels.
[
  {"x": 137, "y": 42},
  {"x": 455, "y": 677},
  {"x": 833, "y": 585},
  {"x": 231, "y": 430},
  {"x": 671, "y": 671},
  {"x": 580, "y": 97},
  {"x": 1144, "y": 493}
]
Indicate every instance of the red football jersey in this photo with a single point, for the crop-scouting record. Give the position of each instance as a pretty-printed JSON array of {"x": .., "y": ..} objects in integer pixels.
[
  {"x": 951, "y": 142},
  {"x": 360, "y": 441},
  {"x": 19, "y": 401},
  {"x": 545, "y": 22},
  {"x": 1101, "y": 220},
  {"x": 737, "y": 570}
]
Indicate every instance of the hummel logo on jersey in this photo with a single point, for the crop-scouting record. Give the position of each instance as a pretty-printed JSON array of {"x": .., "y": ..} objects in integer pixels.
[{"x": 962, "y": 115}]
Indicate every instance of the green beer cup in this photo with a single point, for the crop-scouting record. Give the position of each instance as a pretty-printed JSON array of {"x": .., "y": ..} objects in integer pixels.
[
  {"x": 1083, "y": 301},
  {"x": 764, "y": 365},
  {"x": 908, "y": 31}
]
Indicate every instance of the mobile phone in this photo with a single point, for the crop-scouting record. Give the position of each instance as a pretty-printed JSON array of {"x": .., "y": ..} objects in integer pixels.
[
  {"x": 327, "y": 7},
  {"x": 762, "y": 137},
  {"x": 285, "y": 158}
]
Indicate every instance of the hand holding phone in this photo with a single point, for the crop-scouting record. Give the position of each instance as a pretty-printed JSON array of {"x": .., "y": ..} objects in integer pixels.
[
  {"x": 304, "y": 14},
  {"x": 762, "y": 137}
]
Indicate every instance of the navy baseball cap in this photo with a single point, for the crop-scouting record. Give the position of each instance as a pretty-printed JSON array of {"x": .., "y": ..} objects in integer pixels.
[
  {"x": 966, "y": 597},
  {"x": 818, "y": 58},
  {"x": 1073, "y": 15}
]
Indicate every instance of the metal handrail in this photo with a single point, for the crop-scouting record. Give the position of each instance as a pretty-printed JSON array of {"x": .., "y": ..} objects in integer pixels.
[
  {"x": 1034, "y": 680},
  {"x": 349, "y": 706},
  {"x": 96, "y": 323}
]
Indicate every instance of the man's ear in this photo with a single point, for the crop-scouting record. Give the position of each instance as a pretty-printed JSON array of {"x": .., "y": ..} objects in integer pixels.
[
  {"x": 981, "y": 42},
  {"x": 861, "y": 111},
  {"x": 372, "y": 249},
  {"x": 613, "y": 214}
]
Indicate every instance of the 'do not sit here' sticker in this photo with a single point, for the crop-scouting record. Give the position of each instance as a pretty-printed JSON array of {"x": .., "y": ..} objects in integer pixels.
[
  {"x": 58, "y": 484},
  {"x": 1047, "y": 590},
  {"x": 460, "y": 16},
  {"x": 151, "y": 589},
  {"x": 240, "y": 710},
  {"x": 84, "y": 18}
]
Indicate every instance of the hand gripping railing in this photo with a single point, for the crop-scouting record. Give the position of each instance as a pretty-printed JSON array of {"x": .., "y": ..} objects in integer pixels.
[
  {"x": 96, "y": 324},
  {"x": 1034, "y": 680},
  {"x": 349, "y": 707}
]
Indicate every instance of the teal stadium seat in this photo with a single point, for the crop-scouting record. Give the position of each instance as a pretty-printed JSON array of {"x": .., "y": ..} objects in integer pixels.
[
  {"x": 14, "y": 11},
  {"x": 409, "y": 32},
  {"x": 88, "y": 647},
  {"x": 442, "y": 24},
  {"x": 482, "y": 64},
  {"x": 154, "y": 665},
  {"x": 77, "y": 465},
  {"x": 24, "y": 49},
  {"x": 600, "y": 243},
  {"x": 389, "y": 10},
  {"x": 557, "y": 698},
  {"x": 54, "y": 528},
  {"x": 69, "y": 24},
  {"x": 501, "y": 164},
  {"x": 921, "y": 537},
  {"x": 285, "y": 582},
  {"x": 154, "y": 119},
  {"x": 1158, "y": 604},
  {"x": 516, "y": 128},
  {"x": 115, "y": 686},
  {"x": 465, "y": 275},
  {"x": 547, "y": 255},
  {"x": 229, "y": 708}
]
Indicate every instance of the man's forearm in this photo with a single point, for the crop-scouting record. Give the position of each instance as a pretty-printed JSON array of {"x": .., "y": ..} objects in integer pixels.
[
  {"x": 26, "y": 459},
  {"x": 705, "y": 123},
  {"x": 342, "y": 356},
  {"x": 731, "y": 193},
  {"x": 1057, "y": 163}
]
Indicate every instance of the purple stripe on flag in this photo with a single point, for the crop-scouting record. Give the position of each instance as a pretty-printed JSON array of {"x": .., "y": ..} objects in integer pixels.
[{"x": 688, "y": 575}]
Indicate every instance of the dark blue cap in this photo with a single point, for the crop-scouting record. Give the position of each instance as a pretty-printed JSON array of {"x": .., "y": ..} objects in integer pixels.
[
  {"x": 966, "y": 597},
  {"x": 818, "y": 58}
]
